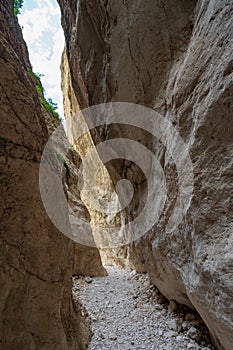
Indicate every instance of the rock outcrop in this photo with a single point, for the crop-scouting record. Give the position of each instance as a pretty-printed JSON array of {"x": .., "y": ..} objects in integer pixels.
[{"x": 176, "y": 58}]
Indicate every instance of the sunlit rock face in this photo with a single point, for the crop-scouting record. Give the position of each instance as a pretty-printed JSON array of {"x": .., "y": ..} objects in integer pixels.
[
  {"x": 174, "y": 57},
  {"x": 37, "y": 311},
  {"x": 103, "y": 185}
]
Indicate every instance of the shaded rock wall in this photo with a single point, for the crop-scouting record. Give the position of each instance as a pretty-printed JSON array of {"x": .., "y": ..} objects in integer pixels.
[
  {"x": 37, "y": 311},
  {"x": 87, "y": 260},
  {"x": 175, "y": 57}
]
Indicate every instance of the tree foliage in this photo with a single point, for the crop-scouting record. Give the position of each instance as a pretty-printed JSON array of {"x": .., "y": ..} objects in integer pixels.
[
  {"x": 18, "y": 4},
  {"x": 48, "y": 103}
]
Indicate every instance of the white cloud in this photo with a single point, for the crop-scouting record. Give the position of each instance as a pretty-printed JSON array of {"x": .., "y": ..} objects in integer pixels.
[{"x": 43, "y": 34}]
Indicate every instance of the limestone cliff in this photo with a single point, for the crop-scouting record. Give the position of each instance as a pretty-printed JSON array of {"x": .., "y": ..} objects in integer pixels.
[
  {"x": 176, "y": 58},
  {"x": 87, "y": 260},
  {"x": 100, "y": 221},
  {"x": 37, "y": 310}
]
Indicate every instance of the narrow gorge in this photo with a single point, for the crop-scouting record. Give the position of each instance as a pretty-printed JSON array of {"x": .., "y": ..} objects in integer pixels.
[{"x": 117, "y": 224}]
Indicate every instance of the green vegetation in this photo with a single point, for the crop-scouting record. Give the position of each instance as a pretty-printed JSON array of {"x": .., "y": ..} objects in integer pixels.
[
  {"x": 18, "y": 4},
  {"x": 63, "y": 161},
  {"x": 48, "y": 104}
]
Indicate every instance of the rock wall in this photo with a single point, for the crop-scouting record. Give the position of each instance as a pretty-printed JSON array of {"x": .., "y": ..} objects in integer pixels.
[
  {"x": 174, "y": 57},
  {"x": 104, "y": 186},
  {"x": 37, "y": 310},
  {"x": 87, "y": 260}
]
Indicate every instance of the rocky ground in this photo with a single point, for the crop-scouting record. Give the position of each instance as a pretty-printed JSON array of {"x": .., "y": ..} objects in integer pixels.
[{"x": 127, "y": 314}]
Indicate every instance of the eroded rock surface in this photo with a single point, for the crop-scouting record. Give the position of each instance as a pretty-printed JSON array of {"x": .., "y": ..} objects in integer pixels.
[
  {"x": 174, "y": 57},
  {"x": 103, "y": 186},
  {"x": 37, "y": 310},
  {"x": 87, "y": 260}
]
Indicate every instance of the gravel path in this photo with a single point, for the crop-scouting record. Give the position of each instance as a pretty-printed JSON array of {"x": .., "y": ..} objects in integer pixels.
[{"x": 127, "y": 314}]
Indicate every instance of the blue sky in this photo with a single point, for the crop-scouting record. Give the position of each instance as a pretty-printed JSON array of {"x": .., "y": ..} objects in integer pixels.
[{"x": 42, "y": 31}]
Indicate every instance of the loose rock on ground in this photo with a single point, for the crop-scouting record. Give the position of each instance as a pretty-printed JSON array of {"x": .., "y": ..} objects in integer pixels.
[{"x": 128, "y": 313}]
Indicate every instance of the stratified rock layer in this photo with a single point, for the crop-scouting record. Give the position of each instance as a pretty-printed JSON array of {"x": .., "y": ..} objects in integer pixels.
[{"x": 175, "y": 57}]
